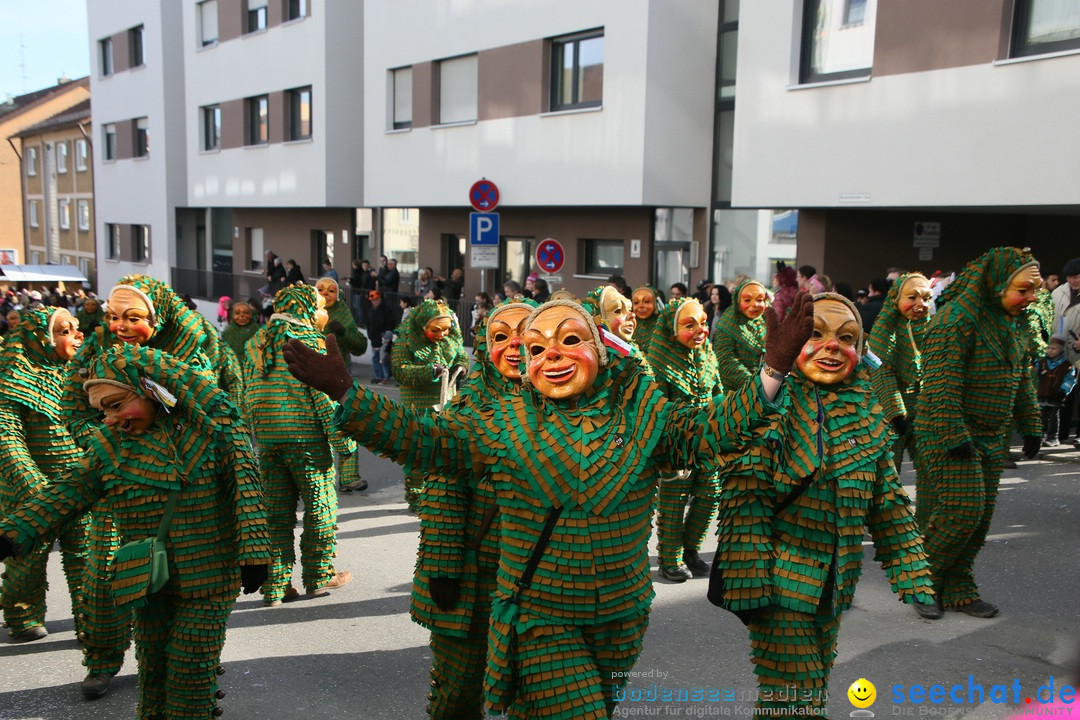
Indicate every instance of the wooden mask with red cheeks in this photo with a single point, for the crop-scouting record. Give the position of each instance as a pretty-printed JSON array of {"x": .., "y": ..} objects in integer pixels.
[
  {"x": 438, "y": 328},
  {"x": 831, "y": 353},
  {"x": 504, "y": 340},
  {"x": 124, "y": 409},
  {"x": 321, "y": 316},
  {"x": 128, "y": 316},
  {"x": 1021, "y": 289},
  {"x": 644, "y": 303},
  {"x": 65, "y": 335},
  {"x": 615, "y": 312},
  {"x": 329, "y": 291},
  {"x": 563, "y": 354},
  {"x": 691, "y": 325},
  {"x": 913, "y": 300},
  {"x": 752, "y": 300}
]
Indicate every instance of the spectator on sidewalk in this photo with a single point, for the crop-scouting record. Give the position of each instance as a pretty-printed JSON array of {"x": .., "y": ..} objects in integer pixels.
[{"x": 329, "y": 271}]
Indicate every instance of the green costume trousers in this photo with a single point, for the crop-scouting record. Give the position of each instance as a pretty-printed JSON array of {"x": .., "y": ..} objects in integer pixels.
[
  {"x": 793, "y": 654},
  {"x": 106, "y": 628},
  {"x": 675, "y": 527},
  {"x": 22, "y": 593},
  {"x": 306, "y": 472},
  {"x": 954, "y": 506},
  {"x": 457, "y": 673},
  {"x": 178, "y": 642}
]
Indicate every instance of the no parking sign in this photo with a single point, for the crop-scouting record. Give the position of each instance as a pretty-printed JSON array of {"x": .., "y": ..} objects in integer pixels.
[{"x": 550, "y": 255}]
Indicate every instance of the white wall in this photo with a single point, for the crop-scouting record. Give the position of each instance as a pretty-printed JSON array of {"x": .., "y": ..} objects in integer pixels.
[{"x": 985, "y": 135}]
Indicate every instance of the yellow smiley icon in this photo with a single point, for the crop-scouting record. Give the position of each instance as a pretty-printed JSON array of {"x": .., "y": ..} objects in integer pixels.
[{"x": 862, "y": 693}]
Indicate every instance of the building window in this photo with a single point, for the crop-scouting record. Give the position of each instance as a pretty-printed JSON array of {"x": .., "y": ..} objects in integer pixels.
[
  {"x": 602, "y": 257},
  {"x": 1045, "y": 26},
  {"x": 109, "y": 136},
  {"x": 295, "y": 9},
  {"x": 258, "y": 116},
  {"x": 112, "y": 242},
  {"x": 300, "y": 114},
  {"x": 402, "y": 100},
  {"x": 61, "y": 156},
  {"x": 35, "y": 257},
  {"x": 140, "y": 243},
  {"x": 254, "y": 238},
  {"x": 854, "y": 12},
  {"x": 457, "y": 90},
  {"x": 84, "y": 266},
  {"x": 82, "y": 152},
  {"x": 142, "y": 138},
  {"x": 208, "y": 26},
  {"x": 135, "y": 41},
  {"x": 833, "y": 48},
  {"x": 577, "y": 71},
  {"x": 31, "y": 161},
  {"x": 32, "y": 211},
  {"x": 82, "y": 207},
  {"x": 211, "y": 127},
  {"x": 65, "y": 214},
  {"x": 105, "y": 50},
  {"x": 256, "y": 15}
]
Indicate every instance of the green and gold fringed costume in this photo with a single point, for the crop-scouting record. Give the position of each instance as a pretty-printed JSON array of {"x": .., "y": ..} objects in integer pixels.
[
  {"x": 36, "y": 448},
  {"x": 690, "y": 377},
  {"x": 188, "y": 338},
  {"x": 647, "y": 326},
  {"x": 1038, "y": 322},
  {"x": 293, "y": 426},
  {"x": 586, "y": 468},
  {"x": 976, "y": 385},
  {"x": 791, "y": 576},
  {"x": 593, "y": 304},
  {"x": 459, "y": 541},
  {"x": 236, "y": 337},
  {"x": 739, "y": 342},
  {"x": 200, "y": 450},
  {"x": 350, "y": 341},
  {"x": 414, "y": 359},
  {"x": 896, "y": 341}
]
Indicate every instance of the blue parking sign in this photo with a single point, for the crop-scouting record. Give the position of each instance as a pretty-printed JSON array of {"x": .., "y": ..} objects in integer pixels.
[{"x": 483, "y": 228}]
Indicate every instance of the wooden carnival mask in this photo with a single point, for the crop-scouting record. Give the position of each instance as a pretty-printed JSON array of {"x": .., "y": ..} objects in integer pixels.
[
  {"x": 241, "y": 314},
  {"x": 914, "y": 298},
  {"x": 831, "y": 353},
  {"x": 616, "y": 314},
  {"x": 129, "y": 316},
  {"x": 691, "y": 325},
  {"x": 328, "y": 289},
  {"x": 504, "y": 341},
  {"x": 124, "y": 409},
  {"x": 752, "y": 300},
  {"x": 65, "y": 336},
  {"x": 321, "y": 316},
  {"x": 1020, "y": 292},
  {"x": 644, "y": 303},
  {"x": 563, "y": 357},
  {"x": 438, "y": 328}
]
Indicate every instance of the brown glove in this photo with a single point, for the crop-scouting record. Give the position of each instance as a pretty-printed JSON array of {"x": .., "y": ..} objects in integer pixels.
[
  {"x": 322, "y": 372},
  {"x": 784, "y": 339}
]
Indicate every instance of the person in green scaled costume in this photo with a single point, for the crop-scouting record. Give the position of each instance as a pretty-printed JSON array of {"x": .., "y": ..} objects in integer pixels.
[
  {"x": 574, "y": 459},
  {"x": 294, "y": 429},
  {"x": 685, "y": 368},
  {"x": 739, "y": 339},
  {"x": 351, "y": 341},
  {"x": 459, "y": 531},
  {"x": 241, "y": 328},
  {"x": 168, "y": 431},
  {"x": 794, "y": 511},
  {"x": 429, "y": 345},
  {"x": 977, "y": 385},
  {"x": 37, "y": 447},
  {"x": 647, "y": 307}
]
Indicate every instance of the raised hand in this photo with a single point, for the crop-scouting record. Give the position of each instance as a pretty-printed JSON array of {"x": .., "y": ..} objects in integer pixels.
[
  {"x": 784, "y": 339},
  {"x": 326, "y": 373}
]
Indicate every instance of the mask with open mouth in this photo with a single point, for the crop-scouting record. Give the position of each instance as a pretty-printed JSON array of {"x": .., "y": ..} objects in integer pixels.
[
  {"x": 563, "y": 352},
  {"x": 504, "y": 339},
  {"x": 832, "y": 352}
]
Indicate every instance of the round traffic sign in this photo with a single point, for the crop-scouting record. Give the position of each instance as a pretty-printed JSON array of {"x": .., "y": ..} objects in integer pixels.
[
  {"x": 550, "y": 255},
  {"x": 484, "y": 195}
]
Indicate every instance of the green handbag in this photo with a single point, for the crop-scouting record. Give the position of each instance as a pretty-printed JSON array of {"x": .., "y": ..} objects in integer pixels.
[{"x": 141, "y": 567}]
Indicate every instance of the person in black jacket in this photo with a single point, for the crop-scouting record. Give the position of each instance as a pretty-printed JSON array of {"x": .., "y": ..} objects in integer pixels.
[
  {"x": 379, "y": 322},
  {"x": 293, "y": 273},
  {"x": 389, "y": 277}
]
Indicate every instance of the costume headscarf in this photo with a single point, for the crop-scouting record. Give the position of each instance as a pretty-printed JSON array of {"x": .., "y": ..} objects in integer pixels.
[
  {"x": 647, "y": 326},
  {"x": 294, "y": 317},
  {"x": 236, "y": 336},
  {"x": 739, "y": 341},
  {"x": 692, "y": 374},
  {"x": 30, "y": 363},
  {"x": 897, "y": 342}
]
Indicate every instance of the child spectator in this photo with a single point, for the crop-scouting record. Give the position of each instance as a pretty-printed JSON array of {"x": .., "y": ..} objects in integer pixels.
[{"x": 1056, "y": 380}]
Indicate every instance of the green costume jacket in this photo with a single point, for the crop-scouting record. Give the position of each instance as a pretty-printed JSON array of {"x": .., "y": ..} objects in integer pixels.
[
  {"x": 896, "y": 341},
  {"x": 352, "y": 342},
  {"x": 414, "y": 356},
  {"x": 739, "y": 343}
]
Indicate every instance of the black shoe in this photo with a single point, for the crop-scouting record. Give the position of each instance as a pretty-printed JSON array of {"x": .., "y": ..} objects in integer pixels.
[
  {"x": 979, "y": 608},
  {"x": 930, "y": 611},
  {"x": 1010, "y": 464},
  {"x": 694, "y": 563},
  {"x": 677, "y": 574},
  {"x": 30, "y": 634},
  {"x": 96, "y": 685},
  {"x": 359, "y": 485}
]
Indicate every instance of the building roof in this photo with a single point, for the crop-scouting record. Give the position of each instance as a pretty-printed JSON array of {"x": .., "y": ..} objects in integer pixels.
[
  {"x": 41, "y": 273},
  {"x": 20, "y": 103},
  {"x": 73, "y": 116}
]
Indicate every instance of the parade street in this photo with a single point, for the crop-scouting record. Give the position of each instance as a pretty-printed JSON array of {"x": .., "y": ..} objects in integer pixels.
[{"x": 356, "y": 654}]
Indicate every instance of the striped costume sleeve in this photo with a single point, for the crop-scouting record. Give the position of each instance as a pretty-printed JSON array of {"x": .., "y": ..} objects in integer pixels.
[
  {"x": 19, "y": 474},
  {"x": 886, "y": 381},
  {"x": 324, "y": 411},
  {"x": 410, "y": 373},
  {"x": 253, "y": 539},
  {"x": 733, "y": 373},
  {"x": 946, "y": 356},
  {"x": 1026, "y": 413},
  {"x": 443, "y": 511},
  {"x": 897, "y": 540},
  {"x": 55, "y": 503}
]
